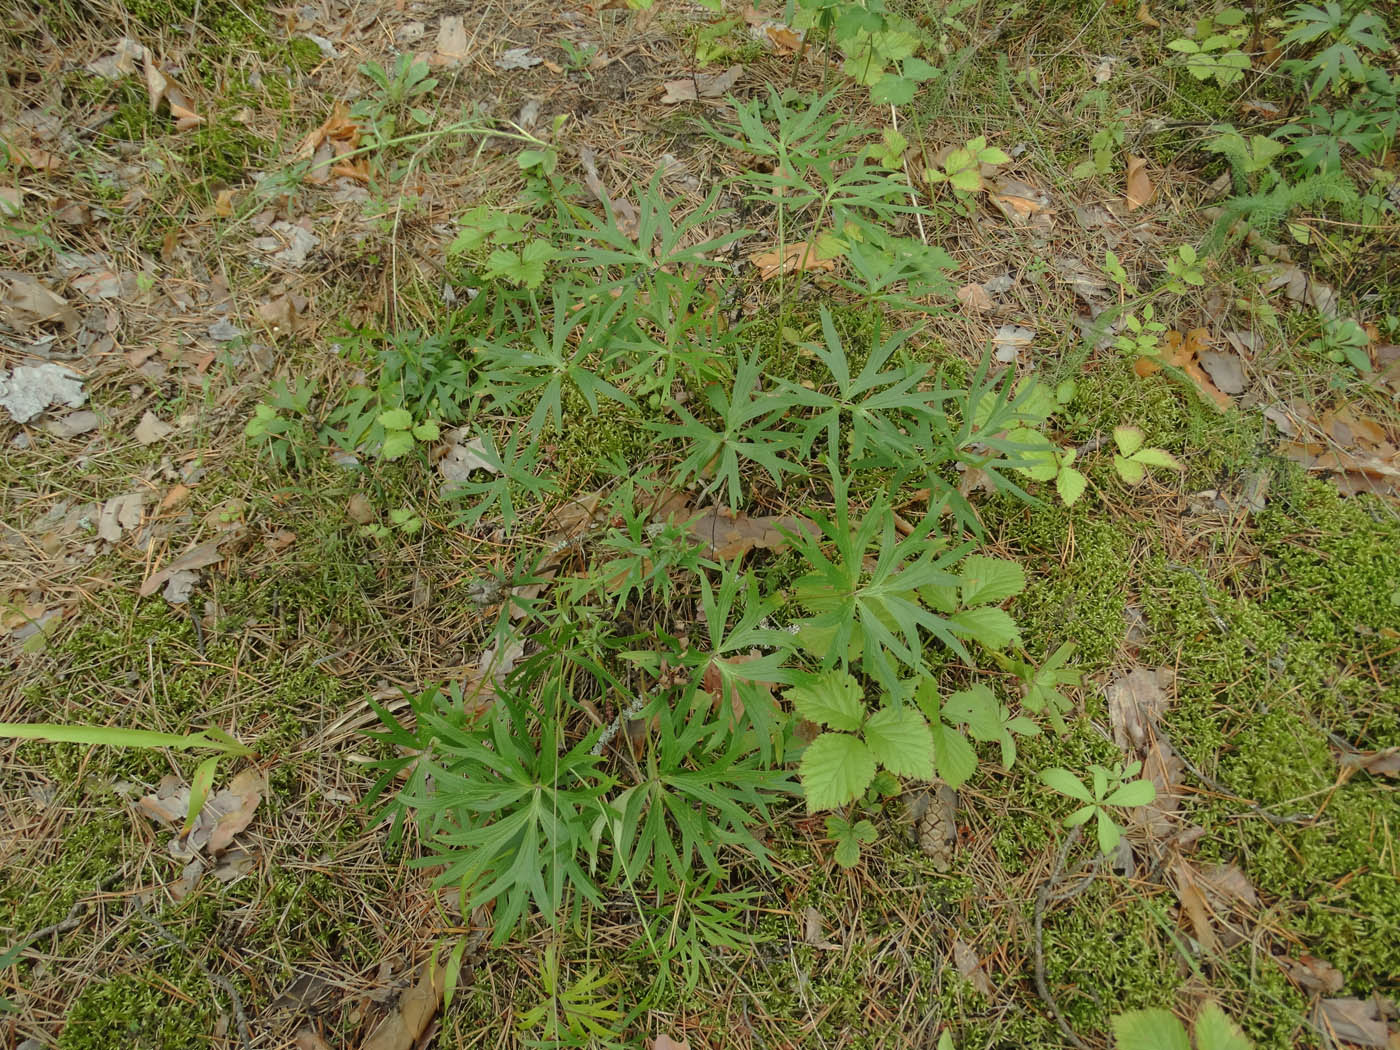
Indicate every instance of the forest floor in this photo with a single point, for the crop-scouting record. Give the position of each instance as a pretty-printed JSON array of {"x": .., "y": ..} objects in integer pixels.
[{"x": 195, "y": 221}]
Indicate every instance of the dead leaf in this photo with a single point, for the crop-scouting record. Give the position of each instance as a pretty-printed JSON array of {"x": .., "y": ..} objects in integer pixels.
[
  {"x": 32, "y": 157},
  {"x": 1140, "y": 191},
  {"x": 31, "y": 303},
  {"x": 970, "y": 967},
  {"x": 359, "y": 509},
  {"x": 624, "y": 212},
  {"x": 1010, "y": 340},
  {"x": 1384, "y": 763},
  {"x": 794, "y": 257},
  {"x": 280, "y": 315},
  {"x": 1193, "y": 900},
  {"x": 452, "y": 39},
  {"x": 1226, "y": 370},
  {"x": 975, "y": 297},
  {"x": 120, "y": 513},
  {"x": 152, "y": 429},
  {"x": 1182, "y": 349},
  {"x": 121, "y": 62},
  {"x": 665, "y": 1042},
  {"x": 179, "y": 586},
  {"x": 1354, "y": 1021},
  {"x": 1019, "y": 201},
  {"x": 73, "y": 424},
  {"x": 460, "y": 460},
  {"x": 1136, "y": 702},
  {"x": 517, "y": 58},
  {"x": 1300, "y": 287},
  {"x": 225, "y": 814},
  {"x": 200, "y": 556},
  {"x": 1164, "y": 767},
  {"x": 701, "y": 85},
  {"x": 406, "y": 1023},
  {"x": 728, "y": 534},
  {"x": 1352, "y": 473},
  {"x": 1315, "y": 975},
  {"x": 713, "y": 683},
  {"x": 1145, "y": 16},
  {"x": 32, "y": 389},
  {"x": 812, "y": 932},
  {"x": 306, "y": 1039},
  {"x": 156, "y": 82}
]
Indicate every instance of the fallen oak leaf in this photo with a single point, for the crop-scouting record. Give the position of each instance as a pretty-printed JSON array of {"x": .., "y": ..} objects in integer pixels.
[
  {"x": 198, "y": 557},
  {"x": 799, "y": 256},
  {"x": 406, "y": 1023}
]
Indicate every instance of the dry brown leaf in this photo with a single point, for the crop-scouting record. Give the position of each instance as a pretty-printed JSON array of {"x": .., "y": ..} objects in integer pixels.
[
  {"x": 1144, "y": 15},
  {"x": 452, "y": 39},
  {"x": 1314, "y": 974},
  {"x": 32, "y": 157},
  {"x": 701, "y": 85},
  {"x": 1139, "y": 190},
  {"x": 151, "y": 429},
  {"x": 1354, "y": 1021},
  {"x": 1193, "y": 900},
  {"x": 799, "y": 255},
  {"x": 1300, "y": 287},
  {"x": 727, "y": 534},
  {"x": 784, "y": 40},
  {"x": 200, "y": 556},
  {"x": 1182, "y": 349},
  {"x": 713, "y": 683},
  {"x": 1019, "y": 201},
  {"x": 120, "y": 514},
  {"x": 970, "y": 967},
  {"x": 1384, "y": 763},
  {"x": 225, "y": 814},
  {"x": 1352, "y": 473},
  {"x": 1225, "y": 369},
  {"x": 1136, "y": 701},
  {"x": 30, "y": 302},
  {"x": 1351, "y": 431},
  {"x": 665, "y": 1042},
  {"x": 975, "y": 297},
  {"x": 406, "y": 1023},
  {"x": 306, "y": 1039}
]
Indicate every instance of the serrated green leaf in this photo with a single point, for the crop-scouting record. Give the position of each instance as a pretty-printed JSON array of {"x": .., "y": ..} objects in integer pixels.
[
  {"x": 966, "y": 179},
  {"x": 1065, "y": 782},
  {"x": 978, "y": 707},
  {"x": 395, "y": 419},
  {"x": 990, "y": 581},
  {"x": 1157, "y": 457},
  {"x": 397, "y": 443},
  {"x": 893, "y": 90},
  {"x": 1070, "y": 484},
  {"x": 901, "y": 741},
  {"x": 835, "y": 769},
  {"x": 426, "y": 431},
  {"x": 1129, "y": 470},
  {"x": 1149, "y": 1030},
  {"x": 847, "y": 851},
  {"x": 1136, "y": 793},
  {"x": 952, "y": 755},
  {"x": 1128, "y": 439},
  {"x": 833, "y": 699},
  {"x": 864, "y": 831},
  {"x": 992, "y": 155},
  {"x": 986, "y": 625},
  {"x": 1215, "y": 1031}
]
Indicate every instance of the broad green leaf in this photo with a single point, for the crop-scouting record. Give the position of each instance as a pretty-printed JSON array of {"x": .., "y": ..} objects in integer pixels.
[
  {"x": 952, "y": 755},
  {"x": 1109, "y": 833},
  {"x": 833, "y": 699},
  {"x": 836, "y": 768},
  {"x": 978, "y": 707},
  {"x": 847, "y": 851},
  {"x": 987, "y": 626},
  {"x": 864, "y": 831},
  {"x": 1070, "y": 484},
  {"x": 1080, "y": 815},
  {"x": 1129, "y": 470},
  {"x": 966, "y": 179},
  {"x": 1149, "y": 1030},
  {"x": 1136, "y": 793},
  {"x": 893, "y": 90},
  {"x": 1188, "y": 47},
  {"x": 990, "y": 581},
  {"x": 901, "y": 741},
  {"x": 1215, "y": 1031},
  {"x": 1128, "y": 439},
  {"x": 426, "y": 431},
  {"x": 992, "y": 155},
  {"x": 396, "y": 419},
  {"x": 397, "y": 443},
  {"x": 1065, "y": 782},
  {"x": 1157, "y": 457}
]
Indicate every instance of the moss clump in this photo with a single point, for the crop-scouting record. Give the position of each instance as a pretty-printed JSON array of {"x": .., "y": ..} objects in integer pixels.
[
  {"x": 37, "y": 894},
  {"x": 136, "y": 1012}
]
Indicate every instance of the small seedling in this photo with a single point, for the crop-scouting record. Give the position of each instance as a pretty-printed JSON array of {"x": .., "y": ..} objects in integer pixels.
[
  {"x": 1132, "y": 459},
  {"x": 1111, "y": 787},
  {"x": 849, "y": 837}
]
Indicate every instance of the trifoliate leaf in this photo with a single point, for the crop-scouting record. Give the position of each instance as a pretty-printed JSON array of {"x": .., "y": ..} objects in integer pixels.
[
  {"x": 900, "y": 740},
  {"x": 833, "y": 699},
  {"x": 836, "y": 768}
]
